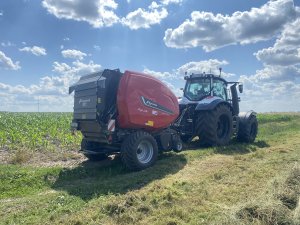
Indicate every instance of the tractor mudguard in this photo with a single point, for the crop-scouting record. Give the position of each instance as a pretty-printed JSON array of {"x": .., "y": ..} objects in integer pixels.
[
  {"x": 210, "y": 104},
  {"x": 244, "y": 116}
]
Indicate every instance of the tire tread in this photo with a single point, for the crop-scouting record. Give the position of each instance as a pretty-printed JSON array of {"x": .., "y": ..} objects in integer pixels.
[
  {"x": 244, "y": 132},
  {"x": 128, "y": 153},
  {"x": 205, "y": 126}
]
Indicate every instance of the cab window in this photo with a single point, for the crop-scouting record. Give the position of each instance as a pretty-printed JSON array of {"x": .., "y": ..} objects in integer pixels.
[
  {"x": 219, "y": 89},
  {"x": 197, "y": 89}
]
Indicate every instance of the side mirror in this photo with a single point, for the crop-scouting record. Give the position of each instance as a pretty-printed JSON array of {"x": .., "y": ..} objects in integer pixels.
[
  {"x": 181, "y": 89},
  {"x": 241, "y": 87}
]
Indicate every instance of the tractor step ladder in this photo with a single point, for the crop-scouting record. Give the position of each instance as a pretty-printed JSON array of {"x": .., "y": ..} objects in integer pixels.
[{"x": 235, "y": 124}]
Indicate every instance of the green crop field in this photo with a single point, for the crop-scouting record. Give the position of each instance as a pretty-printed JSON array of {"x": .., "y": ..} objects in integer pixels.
[
  {"x": 36, "y": 131},
  {"x": 32, "y": 136},
  {"x": 255, "y": 183}
]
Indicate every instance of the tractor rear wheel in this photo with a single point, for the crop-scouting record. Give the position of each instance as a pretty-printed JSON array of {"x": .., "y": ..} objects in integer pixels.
[
  {"x": 248, "y": 130},
  {"x": 214, "y": 127},
  {"x": 139, "y": 151},
  {"x": 89, "y": 149}
]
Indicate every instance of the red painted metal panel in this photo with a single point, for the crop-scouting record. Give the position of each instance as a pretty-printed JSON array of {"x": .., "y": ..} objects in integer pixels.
[{"x": 145, "y": 102}]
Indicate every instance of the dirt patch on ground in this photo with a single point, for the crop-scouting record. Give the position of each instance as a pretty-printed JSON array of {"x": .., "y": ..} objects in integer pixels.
[
  {"x": 66, "y": 159},
  {"x": 42, "y": 159},
  {"x": 75, "y": 159},
  {"x": 4, "y": 156}
]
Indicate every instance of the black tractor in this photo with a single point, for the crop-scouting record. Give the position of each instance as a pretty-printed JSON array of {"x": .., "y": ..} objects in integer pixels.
[{"x": 210, "y": 111}]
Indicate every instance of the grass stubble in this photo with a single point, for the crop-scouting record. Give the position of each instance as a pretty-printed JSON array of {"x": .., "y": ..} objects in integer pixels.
[{"x": 255, "y": 183}]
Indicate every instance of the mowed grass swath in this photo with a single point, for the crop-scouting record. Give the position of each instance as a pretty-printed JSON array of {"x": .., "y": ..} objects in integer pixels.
[
  {"x": 37, "y": 131},
  {"x": 256, "y": 183}
]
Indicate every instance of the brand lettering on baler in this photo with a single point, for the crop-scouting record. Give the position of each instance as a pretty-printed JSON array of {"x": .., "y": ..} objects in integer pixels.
[
  {"x": 84, "y": 101},
  {"x": 154, "y": 105}
]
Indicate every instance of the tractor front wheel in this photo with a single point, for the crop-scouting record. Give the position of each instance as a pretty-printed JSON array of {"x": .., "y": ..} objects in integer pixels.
[
  {"x": 248, "y": 130},
  {"x": 139, "y": 151},
  {"x": 214, "y": 127}
]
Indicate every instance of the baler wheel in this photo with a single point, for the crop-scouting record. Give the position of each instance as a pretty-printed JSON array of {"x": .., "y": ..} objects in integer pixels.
[
  {"x": 92, "y": 146},
  {"x": 139, "y": 151},
  {"x": 214, "y": 127},
  {"x": 248, "y": 131}
]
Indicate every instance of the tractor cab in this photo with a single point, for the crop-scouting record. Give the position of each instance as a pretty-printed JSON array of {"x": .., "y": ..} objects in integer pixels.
[
  {"x": 203, "y": 89},
  {"x": 201, "y": 86}
]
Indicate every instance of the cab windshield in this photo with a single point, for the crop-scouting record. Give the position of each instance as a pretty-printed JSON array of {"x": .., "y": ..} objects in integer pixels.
[{"x": 196, "y": 89}]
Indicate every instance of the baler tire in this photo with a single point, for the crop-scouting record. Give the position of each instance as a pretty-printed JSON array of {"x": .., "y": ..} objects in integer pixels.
[
  {"x": 248, "y": 130},
  {"x": 209, "y": 124},
  {"x": 132, "y": 152},
  {"x": 90, "y": 145}
]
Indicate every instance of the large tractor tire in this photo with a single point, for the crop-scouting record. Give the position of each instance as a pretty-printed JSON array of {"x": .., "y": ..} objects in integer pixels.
[
  {"x": 248, "y": 130},
  {"x": 89, "y": 150},
  {"x": 214, "y": 127},
  {"x": 139, "y": 151}
]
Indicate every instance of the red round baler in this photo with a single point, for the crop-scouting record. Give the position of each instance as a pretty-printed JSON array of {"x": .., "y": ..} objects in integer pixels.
[
  {"x": 129, "y": 113},
  {"x": 144, "y": 102}
]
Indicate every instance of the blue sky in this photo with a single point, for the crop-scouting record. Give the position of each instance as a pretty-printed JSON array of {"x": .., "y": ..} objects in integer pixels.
[{"x": 46, "y": 45}]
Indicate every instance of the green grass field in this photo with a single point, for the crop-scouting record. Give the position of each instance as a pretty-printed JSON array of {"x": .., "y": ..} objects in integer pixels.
[{"x": 255, "y": 183}]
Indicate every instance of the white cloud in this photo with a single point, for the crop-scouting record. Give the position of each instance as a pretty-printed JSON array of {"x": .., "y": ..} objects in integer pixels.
[
  {"x": 206, "y": 66},
  {"x": 279, "y": 56},
  {"x": 98, "y": 13},
  {"x": 172, "y": 79},
  {"x": 275, "y": 73},
  {"x": 142, "y": 18},
  {"x": 286, "y": 50},
  {"x": 7, "y": 63},
  {"x": 50, "y": 91},
  {"x": 275, "y": 85},
  {"x": 278, "y": 83},
  {"x": 176, "y": 90},
  {"x": 77, "y": 68},
  {"x": 269, "y": 89},
  {"x": 211, "y": 31},
  {"x": 166, "y": 78},
  {"x": 159, "y": 75},
  {"x": 1, "y": 13},
  {"x": 73, "y": 54},
  {"x": 7, "y": 44},
  {"x": 35, "y": 50},
  {"x": 101, "y": 13},
  {"x": 66, "y": 39},
  {"x": 272, "y": 88},
  {"x": 265, "y": 94},
  {"x": 167, "y": 2},
  {"x": 55, "y": 85},
  {"x": 97, "y": 47}
]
